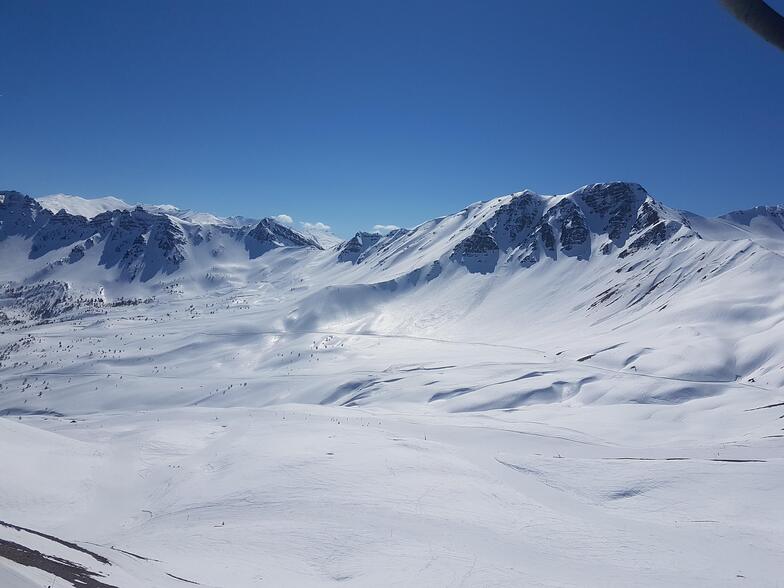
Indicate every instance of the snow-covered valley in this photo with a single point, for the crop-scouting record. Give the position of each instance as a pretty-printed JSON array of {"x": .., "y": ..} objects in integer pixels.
[{"x": 578, "y": 390}]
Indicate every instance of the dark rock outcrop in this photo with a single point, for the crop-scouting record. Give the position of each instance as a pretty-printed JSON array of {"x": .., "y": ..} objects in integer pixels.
[
  {"x": 270, "y": 234},
  {"x": 355, "y": 248}
]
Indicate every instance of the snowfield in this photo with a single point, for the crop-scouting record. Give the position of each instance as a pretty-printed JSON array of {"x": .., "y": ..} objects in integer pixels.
[
  {"x": 578, "y": 390},
  {"x": 311, "y": 496}
]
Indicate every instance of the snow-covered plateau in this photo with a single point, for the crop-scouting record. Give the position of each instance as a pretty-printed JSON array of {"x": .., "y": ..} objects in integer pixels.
[{"x": 574, "y": 390}]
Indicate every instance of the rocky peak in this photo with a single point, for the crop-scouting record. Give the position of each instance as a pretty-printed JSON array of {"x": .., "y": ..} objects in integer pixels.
[
  {"x": 20, "y": 215},
  {"x": 612, "y": 207},
  {"x": 354, "y": 249},
  {"x": 569, "y": 223},
  {"x": 62, "y": 230},
  {"x": 140, "y": 243},
  {"x": 478, "y": 253},
  {"x": 529, "y": 227},
  {"x": 270, "y": 234}
]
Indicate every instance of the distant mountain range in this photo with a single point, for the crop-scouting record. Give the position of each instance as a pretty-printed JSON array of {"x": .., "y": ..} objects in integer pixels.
[
  {"x": 606, "y": 274},
  {"x": 44, "y": 239}
]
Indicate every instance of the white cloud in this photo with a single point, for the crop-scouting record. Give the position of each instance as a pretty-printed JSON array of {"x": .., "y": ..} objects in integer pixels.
[
  {"x": 317, "y": 226},
  {"x": 384, "y": 229},
  {"x": 284, "y": 218}
]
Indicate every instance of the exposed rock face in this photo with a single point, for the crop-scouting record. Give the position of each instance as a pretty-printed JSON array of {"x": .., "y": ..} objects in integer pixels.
[
  {"x": 646, "y": 217},
  {"x": 139, "y": 242},
  {"x": 270, "y": 234},
  {"x": 510, "y": 225},
  {"x": 614, "y": 205},
  {"x": 354, "y": 249},
  {"x": 523, "y": 229},
  {"x": 529, "y": 228},
  {"x": 567, "y": 220},
  {"x": 20, "y": 215},
  {"x": 515, "y": 221},
  {"x": 479, "y": 252},
  {"x": 541, "y": 242},
  {"x": 76, "y": 254},
  {"x": 651, "y": 228},
  {"x": 62, "y": 230},
  {"x": 40, "y": 301}
]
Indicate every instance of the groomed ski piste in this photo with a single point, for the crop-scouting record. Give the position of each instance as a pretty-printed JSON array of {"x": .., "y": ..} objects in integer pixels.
[{"x": 575, "y": 390}]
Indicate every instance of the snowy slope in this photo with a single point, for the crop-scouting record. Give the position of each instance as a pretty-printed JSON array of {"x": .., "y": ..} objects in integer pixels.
[
  {"x": 647, "y": 287},
  {"x": 90, "y": 207},
  {"x": 572, "y": 390},
  {"x": 86, "y": 207}
]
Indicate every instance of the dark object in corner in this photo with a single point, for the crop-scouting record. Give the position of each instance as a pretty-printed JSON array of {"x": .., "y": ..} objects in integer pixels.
[{"x": 760, "y": 18}]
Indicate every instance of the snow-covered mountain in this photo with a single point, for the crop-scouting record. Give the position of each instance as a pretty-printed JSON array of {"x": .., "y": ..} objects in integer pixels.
[
  {"x": 607, "y": 258},
  {"x": 86, "y": 207},
  {"x": 516, "y": 231},
  {"x": 511, "y": 395}
]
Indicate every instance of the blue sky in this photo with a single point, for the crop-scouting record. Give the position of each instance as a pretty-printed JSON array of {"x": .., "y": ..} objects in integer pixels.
[{"x": 387, "y": 112}]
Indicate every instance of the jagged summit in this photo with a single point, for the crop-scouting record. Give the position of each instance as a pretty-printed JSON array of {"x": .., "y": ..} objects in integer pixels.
[
  {"x": 518, "y": 231},
  {"x": 139, "y": 242},
  {"x": 605, "y": 276},
  {"x": 21, "y": 215},
  {"x": 270, "y": 234},
  {"x": 525, "y": 228},
  {"x": 353, "y": 249}
]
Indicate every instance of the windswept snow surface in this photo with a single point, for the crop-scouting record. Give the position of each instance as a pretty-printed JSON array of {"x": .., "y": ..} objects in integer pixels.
[
  {"x": 86, "y": 207},
  {"x": 580, "y": 390}
]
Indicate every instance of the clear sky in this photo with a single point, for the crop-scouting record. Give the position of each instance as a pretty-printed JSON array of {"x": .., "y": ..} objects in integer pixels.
[{"x": 356, "y": 113}]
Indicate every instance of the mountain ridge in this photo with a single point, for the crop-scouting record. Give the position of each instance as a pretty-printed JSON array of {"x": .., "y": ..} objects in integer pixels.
[
  {"x": 613, "y": 298},
  {"x": 520, "y": 229}
]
